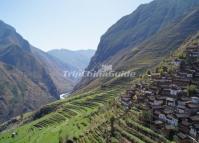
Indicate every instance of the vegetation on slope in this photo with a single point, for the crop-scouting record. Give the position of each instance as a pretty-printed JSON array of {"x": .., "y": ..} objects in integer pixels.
[
  {"x": 95, "y": 116},
  {"x": 142, "y": 39}
]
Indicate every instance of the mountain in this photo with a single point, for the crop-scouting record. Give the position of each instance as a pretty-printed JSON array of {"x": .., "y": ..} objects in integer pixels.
[
  {"x": 129, "y": 109},
  {"x": 29, "y": 77},
  {"x": 137, "y": 40},
  {"x": 56, "y": 69},
  {"x": 101, "y": 114},
  {"x": 78, "y": 59}
]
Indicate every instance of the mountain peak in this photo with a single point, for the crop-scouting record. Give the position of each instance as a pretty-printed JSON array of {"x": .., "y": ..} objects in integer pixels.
[{"x": 4, "y": 26}]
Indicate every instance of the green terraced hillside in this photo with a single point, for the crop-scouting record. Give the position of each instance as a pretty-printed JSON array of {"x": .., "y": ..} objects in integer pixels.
[{"x": 85, "y": 118}]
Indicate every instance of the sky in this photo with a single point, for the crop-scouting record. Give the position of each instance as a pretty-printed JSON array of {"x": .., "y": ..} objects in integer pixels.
[{"x": 64, "y": 24}]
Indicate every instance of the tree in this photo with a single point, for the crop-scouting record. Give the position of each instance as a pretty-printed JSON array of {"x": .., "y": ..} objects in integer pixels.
[
  {"x": 182, "y": 56},
  {"x": 69, "y": 141},
  {"x": 161, "y": 71},
  {"x": 165, "y": 69},
  {"x": 146, "y": 116},
  {"x": 191, "y": 90},
  {"x": 170, "y": 70},
  {"x": 112, "y": 126},
  {"x": 149, "y": 72},
  {"x": 182, "y": 65},
  {"x": 157, "y": 70}
]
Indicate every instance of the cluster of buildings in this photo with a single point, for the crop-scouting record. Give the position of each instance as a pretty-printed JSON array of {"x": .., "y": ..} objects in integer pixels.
[{"x": 172, "y": 98}]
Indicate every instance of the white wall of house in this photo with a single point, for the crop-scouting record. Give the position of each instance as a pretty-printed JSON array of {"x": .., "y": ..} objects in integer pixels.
[
  {"x": 174, "y": 92},
  {"x": 195, "y": 100},
  {"x": 158, "y": 102},
  {"x": 193, "y": 132},
  {"x": 162, "y": 117},
  {"x": 173, "y": 122},
  {"x": 181, "y": 111}
]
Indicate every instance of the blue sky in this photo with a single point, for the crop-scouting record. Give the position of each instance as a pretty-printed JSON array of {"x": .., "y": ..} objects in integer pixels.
[{"x": 66, "y": 24}]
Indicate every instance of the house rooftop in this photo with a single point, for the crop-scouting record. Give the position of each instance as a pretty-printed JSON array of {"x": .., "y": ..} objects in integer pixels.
[
  {"x": 157, "y": 112},
  {"x": 196, "y": 126},
  {"x": 168, "y": 111},
  {"x": 158, "y": 122},
  {"x": 195, "y": 118},
  {"x": 161, "y": 97},
  {"x": 185, "y": 123},
  {"x": 182, "y": 135},
  {"x": 171, "y": 116},
  {"x": 169, "y": 127},
  {"x": 185, "y": 99},
  {"x": 156, "y": 107},
  {"x": 182, "y": 115},
  {"x": 170, "y": 99},
  {"x": 193, "y": 106}
]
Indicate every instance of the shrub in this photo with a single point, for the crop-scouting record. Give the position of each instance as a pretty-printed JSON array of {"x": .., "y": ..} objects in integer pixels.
[
  {"x": 182, "y": 56},
  {"x": 191, "y": 89},
  {"x": 146, "y": 116},
  {"x": 149, "y": 72}
]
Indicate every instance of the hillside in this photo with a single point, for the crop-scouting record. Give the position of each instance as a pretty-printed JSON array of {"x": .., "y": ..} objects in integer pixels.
[
  {"x": 116, "y": 113},
  {"x": 123, "y": 112},
  {"x": 56, "y": 69},
  {"x": 29, "y": 78},
  {"x": 159, "y": 41},
  {"x": 17, "y": 94},
  {"x": 78, "y": 59},
  {"x": 140, "y": 40}
]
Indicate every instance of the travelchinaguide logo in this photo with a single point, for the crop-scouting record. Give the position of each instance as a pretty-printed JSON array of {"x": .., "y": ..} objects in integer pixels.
[{"x": 103, "y": 71}]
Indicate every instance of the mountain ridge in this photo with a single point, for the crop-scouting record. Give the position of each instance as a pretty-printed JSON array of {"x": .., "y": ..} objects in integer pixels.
[
  {"x": 38, "y": 80},
  {"x": 132, "y": 31},
  {"x": 79, "y": 59}
]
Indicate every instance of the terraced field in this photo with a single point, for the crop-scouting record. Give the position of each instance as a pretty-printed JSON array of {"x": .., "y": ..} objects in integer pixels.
[
  {"x": 69, "y": 119},
  {"x": 85, "y": 118}
]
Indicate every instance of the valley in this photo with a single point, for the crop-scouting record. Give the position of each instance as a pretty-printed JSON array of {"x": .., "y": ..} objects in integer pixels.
[
  {"x": 121, "y": 111},
  {"x": 159, "y": 41}
]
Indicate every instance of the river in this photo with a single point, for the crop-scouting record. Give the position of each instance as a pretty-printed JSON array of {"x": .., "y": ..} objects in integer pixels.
[{"x": 64, "y": 95}]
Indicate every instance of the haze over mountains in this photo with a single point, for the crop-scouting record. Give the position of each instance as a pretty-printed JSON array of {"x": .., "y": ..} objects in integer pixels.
[{"x": 78, "y": 59}]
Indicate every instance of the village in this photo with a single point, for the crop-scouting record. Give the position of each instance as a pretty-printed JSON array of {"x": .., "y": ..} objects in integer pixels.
[{"x": 172, "y": 98}]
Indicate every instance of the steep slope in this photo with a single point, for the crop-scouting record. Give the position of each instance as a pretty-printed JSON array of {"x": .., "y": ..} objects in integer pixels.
[
  {"x": 122, "y": 43},
  {"x": 32, "y": 80},
  {"x": 133, "y": 29},
  {"x": 94, "y": 116},
  {"x": 56, "y": 69},
  {"x": 101, "y": 115},
  {"x": 161, "y": 44},
  {"x": 18, "y": 93},
  {"x": 78, "y": 59}
]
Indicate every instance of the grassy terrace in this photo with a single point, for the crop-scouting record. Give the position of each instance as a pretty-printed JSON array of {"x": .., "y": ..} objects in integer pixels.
[
  {"x": 72, "y": 118},
  {"x": 85, "y": 118},
  {"x": 129, "y": 128}
]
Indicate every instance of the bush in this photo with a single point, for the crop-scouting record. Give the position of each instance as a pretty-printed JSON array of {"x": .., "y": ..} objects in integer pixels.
[
  {"x": 149, "y": 72},
  {"x": 191, "y": 89},
  {"x": 182, "y": 56},
  {"x": 195, "y": 42},
  {"x": 146, "y": 116}
]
